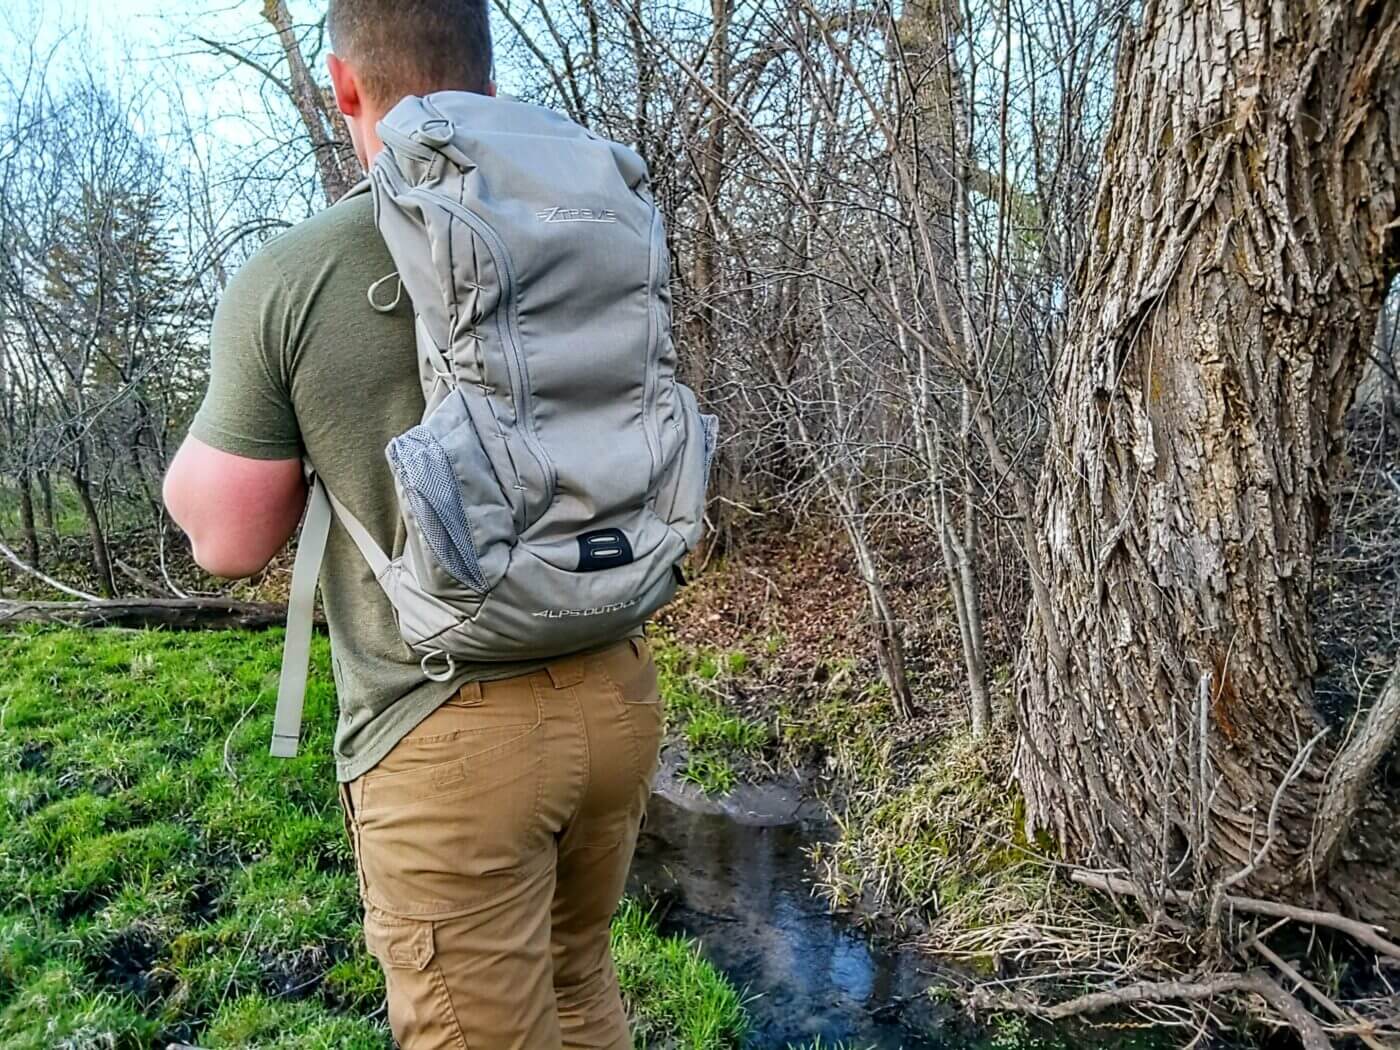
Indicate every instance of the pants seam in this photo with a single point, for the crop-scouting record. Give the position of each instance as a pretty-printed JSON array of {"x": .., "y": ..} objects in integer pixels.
[
  {"x": 445, "y": 996},
  {"x": 633, "y": 744},
  {"x": 587, "y": 754}
]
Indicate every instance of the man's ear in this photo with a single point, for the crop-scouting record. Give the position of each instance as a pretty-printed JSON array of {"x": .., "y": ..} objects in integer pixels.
[
  {"x": 346, "y": 86},
  {"x": 491, "y": 88}
]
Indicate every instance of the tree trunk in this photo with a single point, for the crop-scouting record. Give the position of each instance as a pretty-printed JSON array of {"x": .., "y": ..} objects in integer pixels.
[
  {"x": 330, "y": 142},
  {"x": 889, "y": 638},
  {"x": 705, "y": 269},
  {"x": 926, "y": 65},
  {"x": 101, "y": 555},
  {"x": 1241, "y": 245},
  {"x": 46, "y": 502},
  {"x": 26, "y": 520}
]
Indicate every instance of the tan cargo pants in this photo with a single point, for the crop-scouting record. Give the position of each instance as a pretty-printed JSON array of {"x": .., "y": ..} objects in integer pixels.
[{"x": 492, "y": 846}]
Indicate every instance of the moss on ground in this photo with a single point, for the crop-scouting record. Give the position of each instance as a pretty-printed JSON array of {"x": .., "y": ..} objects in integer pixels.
[{"x": 162, "y": 878}]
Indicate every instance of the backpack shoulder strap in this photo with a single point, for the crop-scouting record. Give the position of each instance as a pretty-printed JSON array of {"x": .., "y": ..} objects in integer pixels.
[
  {"x": 306, "y": 571},
  {"x": 296, "y": 651}
]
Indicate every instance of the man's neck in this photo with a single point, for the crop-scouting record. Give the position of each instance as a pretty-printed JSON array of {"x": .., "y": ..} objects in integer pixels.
[{"x": 369, "y": 139}]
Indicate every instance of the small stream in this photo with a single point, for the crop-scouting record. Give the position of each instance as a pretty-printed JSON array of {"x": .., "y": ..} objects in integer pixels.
[{"x": 735, "y": 877}]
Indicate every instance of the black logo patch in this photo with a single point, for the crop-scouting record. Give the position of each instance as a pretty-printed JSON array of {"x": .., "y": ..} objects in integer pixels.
[{"x": 603, "y": 549}]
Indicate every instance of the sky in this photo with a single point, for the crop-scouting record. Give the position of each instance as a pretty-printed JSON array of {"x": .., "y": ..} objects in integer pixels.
[
  {"x": 139, "y": 42},
  {"x": 155, "y": 41}
]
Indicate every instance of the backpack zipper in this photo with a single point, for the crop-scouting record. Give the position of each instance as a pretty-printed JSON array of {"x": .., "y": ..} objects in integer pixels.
[
  {"x": 520, "y": 387},
  {"x": 525, "y": 399},
  {"x": 653, "y": 436}
]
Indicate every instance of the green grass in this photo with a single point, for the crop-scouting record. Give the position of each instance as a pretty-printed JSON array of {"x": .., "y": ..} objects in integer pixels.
[
  {"x": 676, "y": 995},
  {"x": 720, "y": 744},
  {"x": 162, "y": 878}
]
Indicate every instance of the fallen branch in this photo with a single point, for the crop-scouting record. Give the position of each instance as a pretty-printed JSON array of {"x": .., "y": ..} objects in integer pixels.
[
  {"x": 1364, "y": 932},
  {"x": 1184, "y": 990},
  {"x": 1358, "y": 1026},
  {"x": 173, "y": 613},
  {"x": 1311, "y": 1033},
  {"x": 43, "y": 577}
]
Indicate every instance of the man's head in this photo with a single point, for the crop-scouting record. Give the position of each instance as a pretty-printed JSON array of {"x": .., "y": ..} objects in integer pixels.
[{"x": 386, "y": 49}]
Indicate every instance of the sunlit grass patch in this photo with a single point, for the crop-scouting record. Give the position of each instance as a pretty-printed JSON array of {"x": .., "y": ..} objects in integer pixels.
[
  {"x": 712, "y": 774},
  {"x": 60, "y": 1006},
  {"x": 673, "y": 993},
  {"x": 271, "y": 1024},
  {"x": 164, "y": 879}
]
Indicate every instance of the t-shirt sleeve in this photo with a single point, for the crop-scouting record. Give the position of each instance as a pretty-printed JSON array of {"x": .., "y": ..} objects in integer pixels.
[{"x": 247, "y": 410}]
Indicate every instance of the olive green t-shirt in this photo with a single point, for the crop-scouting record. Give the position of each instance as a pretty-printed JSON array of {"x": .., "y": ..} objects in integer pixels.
[{"x": 302, "y": 366}]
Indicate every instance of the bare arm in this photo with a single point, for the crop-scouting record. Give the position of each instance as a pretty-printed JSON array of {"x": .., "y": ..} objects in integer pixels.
[{"x": 238, "y": 512}]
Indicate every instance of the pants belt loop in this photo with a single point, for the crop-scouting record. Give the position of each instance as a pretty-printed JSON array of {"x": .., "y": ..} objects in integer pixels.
[{"x": 565, "y": 673}]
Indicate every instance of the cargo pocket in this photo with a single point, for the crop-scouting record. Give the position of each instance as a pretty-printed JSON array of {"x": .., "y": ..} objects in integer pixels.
[
  {"x": 401, "y": 943},
  {"x": 419, "y": 1001}
]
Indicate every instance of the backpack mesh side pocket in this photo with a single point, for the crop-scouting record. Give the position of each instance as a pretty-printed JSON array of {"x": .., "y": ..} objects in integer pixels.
[{"x": 430, "y": 487}]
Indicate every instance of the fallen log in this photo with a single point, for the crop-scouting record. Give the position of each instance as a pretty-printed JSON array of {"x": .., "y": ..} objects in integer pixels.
[{"x": 180, "y": 614}]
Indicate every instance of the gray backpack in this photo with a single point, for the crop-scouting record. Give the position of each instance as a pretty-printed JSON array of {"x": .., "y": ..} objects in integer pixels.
[{"x": 558, "y": 477}]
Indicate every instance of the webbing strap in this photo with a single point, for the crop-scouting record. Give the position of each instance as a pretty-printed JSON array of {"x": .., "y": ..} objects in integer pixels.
[
  {"x": 306, "y": 570},
  {"x": 377, "y": 560},
  {"x": 296, "y": 651}
]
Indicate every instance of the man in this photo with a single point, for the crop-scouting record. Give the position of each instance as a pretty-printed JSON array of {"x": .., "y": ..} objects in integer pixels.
[{"x": 494, "y": 815}]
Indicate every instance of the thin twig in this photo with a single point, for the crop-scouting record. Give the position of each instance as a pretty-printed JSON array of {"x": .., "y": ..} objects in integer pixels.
[{"x": 228, "y": 744}]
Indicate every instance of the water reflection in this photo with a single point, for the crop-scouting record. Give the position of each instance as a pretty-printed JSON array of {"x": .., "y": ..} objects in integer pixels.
[{"x": 742, "y": 891}]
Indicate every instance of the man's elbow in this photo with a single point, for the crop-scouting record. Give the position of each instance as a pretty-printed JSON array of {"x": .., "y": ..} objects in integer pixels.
[
  {"x": 219, "y": 557},
  {"x": 217, "y": 549},
  {"x": 237, "y": 512}
]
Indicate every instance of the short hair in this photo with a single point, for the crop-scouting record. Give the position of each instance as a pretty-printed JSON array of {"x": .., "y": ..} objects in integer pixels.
[{"x": 413, "y": 47}]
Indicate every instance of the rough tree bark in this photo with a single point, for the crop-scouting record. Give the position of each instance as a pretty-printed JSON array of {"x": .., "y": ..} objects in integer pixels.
[{"x": 1242, "y": 241}]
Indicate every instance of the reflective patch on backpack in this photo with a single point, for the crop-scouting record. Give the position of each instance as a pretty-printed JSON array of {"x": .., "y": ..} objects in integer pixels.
[
  {"x": 603, "y": 549},
  {"x": 430, "y": 487},
  {"x": 598, "y": 610}
]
